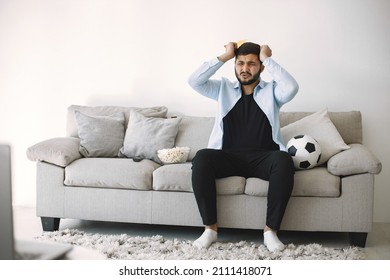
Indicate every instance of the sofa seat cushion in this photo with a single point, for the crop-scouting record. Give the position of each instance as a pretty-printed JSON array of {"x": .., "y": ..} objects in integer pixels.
[
  {"x": 110, "y": 173},
  {"x": 316, "y": 182},
  {"x": 177, "y": 177}
]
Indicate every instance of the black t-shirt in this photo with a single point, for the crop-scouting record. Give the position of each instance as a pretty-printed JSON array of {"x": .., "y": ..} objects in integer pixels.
[{"x": 246, "y": 127}]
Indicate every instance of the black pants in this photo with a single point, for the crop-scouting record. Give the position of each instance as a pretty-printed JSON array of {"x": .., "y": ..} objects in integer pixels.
[{"x": 274, "y": 166}]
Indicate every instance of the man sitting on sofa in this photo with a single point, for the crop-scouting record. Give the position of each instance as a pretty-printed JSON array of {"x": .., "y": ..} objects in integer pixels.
[{"x": 246, "y": 139}]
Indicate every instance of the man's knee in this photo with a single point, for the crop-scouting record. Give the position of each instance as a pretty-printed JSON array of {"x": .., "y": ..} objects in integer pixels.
[
  {"x": 202, "y": 158},
  {"x": 284, "y": 161}
]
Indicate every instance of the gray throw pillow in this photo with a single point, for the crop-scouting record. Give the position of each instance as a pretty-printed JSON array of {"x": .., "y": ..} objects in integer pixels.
[
  {"x": 146, "y": 135},
  {"x": 71, "y": 123},
  {"x": 100, "y": 136}
]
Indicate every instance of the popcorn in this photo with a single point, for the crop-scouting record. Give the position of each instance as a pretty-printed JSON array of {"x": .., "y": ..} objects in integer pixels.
[{"x": 174, "y": 155}]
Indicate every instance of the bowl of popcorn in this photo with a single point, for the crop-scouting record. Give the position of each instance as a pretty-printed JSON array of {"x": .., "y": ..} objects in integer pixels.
[{"x": 173, "y": 155}]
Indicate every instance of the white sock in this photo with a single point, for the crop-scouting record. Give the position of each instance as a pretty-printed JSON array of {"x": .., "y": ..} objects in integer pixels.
[
  {"x": 208, "y": 237},
  {"x": 272, "y": 241}
]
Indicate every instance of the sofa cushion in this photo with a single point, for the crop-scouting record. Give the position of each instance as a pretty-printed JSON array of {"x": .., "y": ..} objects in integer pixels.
[
  {"x": 71, "y": 123},
  {"x": 177, "y": 177},
  {"x": 110, "y": 173},
  {"x": 320, "y": 127},
  {"x": 100, "y": 136},
  {"x": 145, "y": 136},
  {"x": 194, "y": 132},
  {"x": 316, "y": 182}
]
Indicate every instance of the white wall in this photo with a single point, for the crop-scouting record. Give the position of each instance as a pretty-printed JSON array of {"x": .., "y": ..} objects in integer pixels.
[{"x": 139, "y": 53}]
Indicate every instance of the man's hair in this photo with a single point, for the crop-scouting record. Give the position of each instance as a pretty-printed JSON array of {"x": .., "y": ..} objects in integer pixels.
[{"x": 248, "y": 48}]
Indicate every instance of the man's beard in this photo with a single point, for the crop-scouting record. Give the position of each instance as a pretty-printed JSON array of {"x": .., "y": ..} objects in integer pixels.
[{"x": 254, "y": 79}]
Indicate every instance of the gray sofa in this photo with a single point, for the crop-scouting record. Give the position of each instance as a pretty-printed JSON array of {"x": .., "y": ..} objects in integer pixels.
[{"x": 336, "y": 196}]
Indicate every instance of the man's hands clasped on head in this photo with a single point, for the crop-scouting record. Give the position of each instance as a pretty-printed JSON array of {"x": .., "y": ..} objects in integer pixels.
[{"x": 231, "y": 47}]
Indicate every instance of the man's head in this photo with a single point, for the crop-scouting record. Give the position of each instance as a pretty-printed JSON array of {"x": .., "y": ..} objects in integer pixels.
[
  {"x": 248, "y": 65},
  {"x": 248, "y": 48}
]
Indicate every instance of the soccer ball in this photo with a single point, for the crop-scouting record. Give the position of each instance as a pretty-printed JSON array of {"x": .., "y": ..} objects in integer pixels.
[{"x": 305, "y": 151}]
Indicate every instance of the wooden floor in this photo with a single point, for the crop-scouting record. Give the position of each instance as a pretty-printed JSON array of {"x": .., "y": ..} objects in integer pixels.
[{"x": 27, "y": 226}]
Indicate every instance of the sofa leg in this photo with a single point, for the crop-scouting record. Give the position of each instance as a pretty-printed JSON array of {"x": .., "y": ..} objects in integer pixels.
[
  {"x": 50, "y": 224},
  {"x": 358, "y": 239}
]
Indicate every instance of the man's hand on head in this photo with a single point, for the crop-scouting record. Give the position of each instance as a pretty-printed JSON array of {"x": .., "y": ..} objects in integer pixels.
[
  {"x": 230, "y": 49},
  {"x": 265, "y": 52}
]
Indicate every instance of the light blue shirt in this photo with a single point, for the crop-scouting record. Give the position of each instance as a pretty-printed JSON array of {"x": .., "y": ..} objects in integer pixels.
[{"x": 270, "y": 96}]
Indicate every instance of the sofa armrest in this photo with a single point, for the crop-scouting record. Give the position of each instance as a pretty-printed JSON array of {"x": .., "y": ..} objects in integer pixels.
[
  {"x": 358, "y": 159},
  {"x": 60, "y": 151}
]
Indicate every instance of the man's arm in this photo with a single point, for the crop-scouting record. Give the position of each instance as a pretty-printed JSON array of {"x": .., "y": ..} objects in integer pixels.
[
  {"x": 200, "y": 79},
  {"x": 286, "y": 86},
  {"x": 230, "y": 49}
]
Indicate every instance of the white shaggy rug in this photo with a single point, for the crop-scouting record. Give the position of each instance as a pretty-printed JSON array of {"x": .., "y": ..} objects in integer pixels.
[{"x": 125, "y": 247}]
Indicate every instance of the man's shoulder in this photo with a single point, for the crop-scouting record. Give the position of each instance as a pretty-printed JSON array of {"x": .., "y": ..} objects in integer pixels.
[{"x": 230, "y": 83}]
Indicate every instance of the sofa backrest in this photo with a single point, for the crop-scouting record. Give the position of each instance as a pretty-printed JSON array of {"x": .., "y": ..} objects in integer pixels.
[
  {"x": 348, "y": 124},
  {"x": 194, "y": 132}
]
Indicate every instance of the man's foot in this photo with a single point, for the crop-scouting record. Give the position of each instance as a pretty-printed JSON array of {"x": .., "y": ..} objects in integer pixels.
[
  {"x": 208, "y": 237},
  {"x": 272, "y": 242}
]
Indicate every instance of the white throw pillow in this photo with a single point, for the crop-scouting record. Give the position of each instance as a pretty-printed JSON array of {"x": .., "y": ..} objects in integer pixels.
[
  {"x": 320, "y": 127},
  {"x": 145, "y": 136}
]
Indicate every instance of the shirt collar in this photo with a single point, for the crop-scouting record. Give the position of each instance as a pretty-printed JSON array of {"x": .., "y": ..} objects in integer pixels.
[{"x": 261, "y": 84}]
